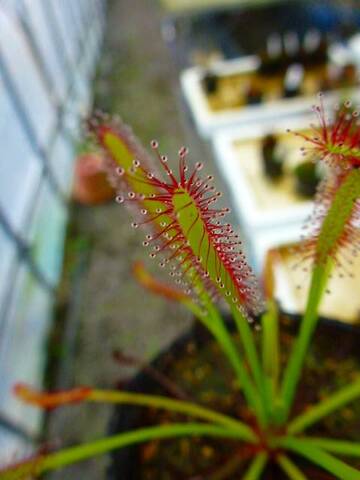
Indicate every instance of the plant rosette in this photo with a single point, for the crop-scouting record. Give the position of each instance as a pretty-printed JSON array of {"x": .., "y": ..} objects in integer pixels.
[
  {"x": 199, "y": 371},
  {"x": 188, "y": 235}
]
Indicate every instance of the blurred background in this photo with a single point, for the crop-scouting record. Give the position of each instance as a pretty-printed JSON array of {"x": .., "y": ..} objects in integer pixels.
[{"x": 226, "y": 78}]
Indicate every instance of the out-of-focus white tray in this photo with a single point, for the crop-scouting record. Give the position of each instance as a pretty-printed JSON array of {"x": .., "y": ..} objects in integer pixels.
[
  {"x": 290, "y": 286},
  {"x": 209, "y": 121},
  {"x": 263, "y": 241},
  {"x": 259, "y": 203}
]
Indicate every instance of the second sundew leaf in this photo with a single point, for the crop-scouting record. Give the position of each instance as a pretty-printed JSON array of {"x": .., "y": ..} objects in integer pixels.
[
  {"x": 337, "y": 228},
  {"x": 335, "y": 140},
  {"x": 334, "y": 235}
]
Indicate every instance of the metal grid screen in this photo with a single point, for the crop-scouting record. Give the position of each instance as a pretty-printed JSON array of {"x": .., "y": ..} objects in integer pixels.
[{"x": 48, "y": 50}]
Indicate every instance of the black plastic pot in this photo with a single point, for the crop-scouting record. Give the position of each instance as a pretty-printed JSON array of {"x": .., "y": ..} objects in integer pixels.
[{"x": 125, "y": 463}]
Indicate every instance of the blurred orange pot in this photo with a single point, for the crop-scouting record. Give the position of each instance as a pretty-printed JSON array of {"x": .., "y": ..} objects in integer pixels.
[{"x": 91, "y": 184}]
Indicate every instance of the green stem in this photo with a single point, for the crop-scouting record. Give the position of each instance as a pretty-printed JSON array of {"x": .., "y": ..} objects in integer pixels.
[
  {"x": 330, "y": 239},
  {"x": 270, "y": 343},
  {"x": 68, "y": 456},
  {"x": 324, "y": 408},
  {"x": 256, "y": 467},
  {"x": 251, "y": 395},
  {"x": 212, "y": 320},
  {"x": 341, "y": 447},
  {"x": 290, "y": 468},
  {"x": 248, "y": 343},
  {"x": 270, "y": 355},
  {"x": 317, "y": 456},
  {"x": 294, "y": 367},
  {"x": 173, "y": 405},
  {"x": 216, "y": 325}
]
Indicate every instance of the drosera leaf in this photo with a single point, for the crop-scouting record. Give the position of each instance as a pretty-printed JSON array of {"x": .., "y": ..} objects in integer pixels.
[
  {"x": 125, "y": 155},
  {"x": 216, "y": 247},
  {"x": 333, "y": 240},
  {"x": 316, "y": 455},
  {"x": 317, "y": 412},
  {"x": 339, "y": 226},
  {"x": 335, "y": 140},
  {"x": 148, "y": 281},
  {"x": 51, "y": 400},
  {"x": 227, "y": 273},
  {"x": 185, "y": 224},
  {"x": 333, "y": 230},
  {"x": 133, "y": 172},
  {"x": 169, "y": 292},
  {"x": 292, "y": 471},
  {"x": 71, "y": 455},
  {"x": 256, "y": 467}
]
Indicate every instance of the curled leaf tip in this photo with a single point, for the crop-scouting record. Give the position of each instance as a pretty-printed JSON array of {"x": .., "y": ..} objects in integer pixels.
[
  {"x": 152, "y": 284},
  {"x": 51, "y": 400}
]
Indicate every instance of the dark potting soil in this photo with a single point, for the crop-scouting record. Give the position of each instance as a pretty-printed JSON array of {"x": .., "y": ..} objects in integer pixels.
[{"x": 197, "y": 367}]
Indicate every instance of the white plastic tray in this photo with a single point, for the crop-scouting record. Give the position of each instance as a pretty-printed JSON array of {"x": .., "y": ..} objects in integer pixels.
[
  {"x": 231, "y": 166},
  {"x": 208, "y": 121}
]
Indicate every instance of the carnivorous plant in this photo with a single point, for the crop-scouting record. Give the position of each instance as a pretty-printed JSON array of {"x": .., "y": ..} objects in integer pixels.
[{"x": 186, "y": 231}]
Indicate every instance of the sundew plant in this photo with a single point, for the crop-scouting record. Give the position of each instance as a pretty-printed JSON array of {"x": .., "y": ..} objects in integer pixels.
[{"x": 187, "y": 233}]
